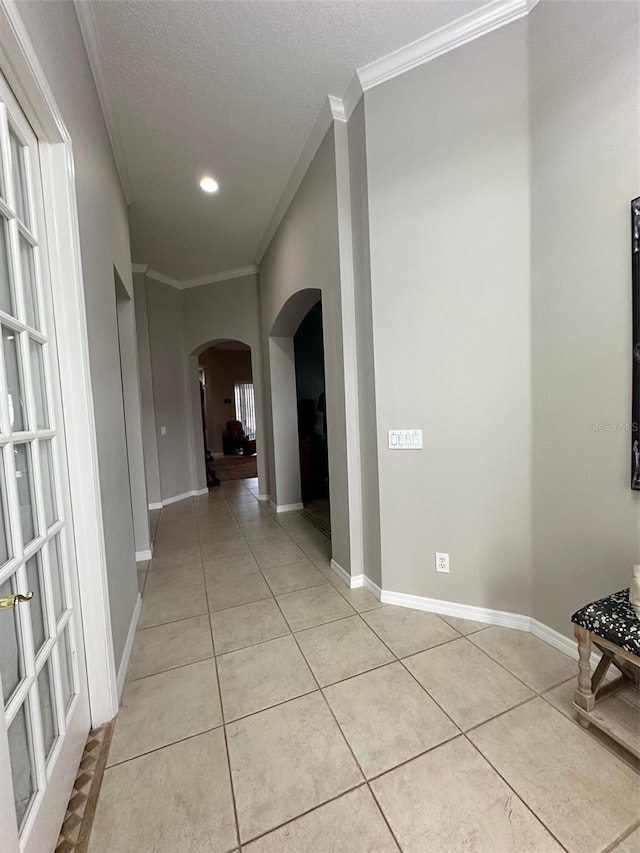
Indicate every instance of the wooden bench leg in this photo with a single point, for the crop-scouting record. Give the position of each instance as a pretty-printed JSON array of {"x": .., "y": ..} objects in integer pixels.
[{"x": 584, "y": 696}]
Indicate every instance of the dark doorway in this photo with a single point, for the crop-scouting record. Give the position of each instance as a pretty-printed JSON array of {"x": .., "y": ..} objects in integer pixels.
[{"x": 308, "y": 344}]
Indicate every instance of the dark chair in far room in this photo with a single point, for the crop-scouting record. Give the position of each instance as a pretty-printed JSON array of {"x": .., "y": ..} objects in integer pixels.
[{"x": 236, "y": 441}]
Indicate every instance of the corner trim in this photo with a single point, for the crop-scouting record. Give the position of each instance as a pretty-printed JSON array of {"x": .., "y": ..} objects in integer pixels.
[
  {"x": 157, "y": 505},
  {"x": 264, "y": 497},
  {"x": 352, "y": 581},
  {"x": 187, "y": 283},
  {"x": 199, "y": 492},
  {"x": 213, "y": 278},
  {"x": 141, "y": 556},
  {"x": 286, "y": 507},
  {"x": 318, "y": 133},
  {"x": 89, "y": 29},
  {"x": 372, "y": 588},
  {"x": 472, "y": 26},
  {"x": 128, "y": 646}
]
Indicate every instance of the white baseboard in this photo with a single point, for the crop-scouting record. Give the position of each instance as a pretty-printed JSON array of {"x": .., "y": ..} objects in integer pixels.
[
  {"x": 464, "y": 611},
  {"x": 286, "y": 507},
  {"x": 167, "y": 501},
  {"x": 264, "y": 497},
  {"x": 372, "y": 588},
  {"x": 353, "y": 582},
  {"x": 128, "y": 646},
  {"x": 141, "y": 556}
]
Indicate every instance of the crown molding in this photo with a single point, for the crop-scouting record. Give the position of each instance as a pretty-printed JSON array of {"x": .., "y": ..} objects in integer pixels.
[
  {"x": 352, "y": 96},
  {"x": 318, "y": 133},
  {"x": 474, "y": 25},
  {"x": 86, "y": 15},
  {"x": 238, "y": 272},
  {"x": 186, "y": 284}
]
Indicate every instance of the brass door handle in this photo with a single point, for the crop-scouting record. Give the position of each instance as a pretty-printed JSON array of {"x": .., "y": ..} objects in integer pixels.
[{"x": 12, "y": 600}]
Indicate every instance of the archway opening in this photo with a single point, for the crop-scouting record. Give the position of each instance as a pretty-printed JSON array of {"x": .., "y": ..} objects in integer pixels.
[
  {"x": 308, "y": 346},
  {"x": 228, "y": 411}
]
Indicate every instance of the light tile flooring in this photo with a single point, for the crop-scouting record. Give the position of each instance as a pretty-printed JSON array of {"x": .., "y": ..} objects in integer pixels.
[{"x": 271, "y": 710}]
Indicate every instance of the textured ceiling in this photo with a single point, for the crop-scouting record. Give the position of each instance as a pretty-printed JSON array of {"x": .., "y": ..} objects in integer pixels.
[{"x": 232, "y": 89}]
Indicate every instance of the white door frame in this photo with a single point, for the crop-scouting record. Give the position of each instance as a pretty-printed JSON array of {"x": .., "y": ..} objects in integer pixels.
[{"x": 21, "y": 68}]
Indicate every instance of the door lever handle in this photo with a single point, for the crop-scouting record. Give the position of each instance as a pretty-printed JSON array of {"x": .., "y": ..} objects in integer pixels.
[{"x": 12, "y": 600}]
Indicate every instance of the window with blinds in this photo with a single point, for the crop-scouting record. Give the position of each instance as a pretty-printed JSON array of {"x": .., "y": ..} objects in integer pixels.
[{"x": 245, "y": 407}]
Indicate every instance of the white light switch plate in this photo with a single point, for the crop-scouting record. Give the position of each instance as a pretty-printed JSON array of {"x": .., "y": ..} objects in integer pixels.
[
  {"x": 405, "y": 439},
  {"x": 163, "y": 430}
]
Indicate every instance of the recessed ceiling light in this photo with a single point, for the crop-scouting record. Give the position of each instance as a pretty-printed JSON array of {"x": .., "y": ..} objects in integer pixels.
[{"x": 209, "y": 185}]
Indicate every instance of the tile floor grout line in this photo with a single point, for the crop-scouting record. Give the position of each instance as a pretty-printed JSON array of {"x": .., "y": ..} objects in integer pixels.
[
  {"x": 305, "y": 813},
  {"x": 222, "y": 717},
  {"x": 535, "y": 694},
  {"x": 622, "y": 837},
  {"x": 516, "y": 794}
]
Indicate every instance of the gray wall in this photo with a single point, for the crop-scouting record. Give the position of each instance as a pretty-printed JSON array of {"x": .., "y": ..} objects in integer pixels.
[
  {"x": 585, "y": 157},
  {"x": 149, "y": 436},
  {"x": 104, "y": 240},
  {"x": 230, "y": 310},
  {"x": 304, "y": 255},
  {"x": 447, "y": 163},
  {"x": 170, "y": 395},
  {"x": 180, "y": 324},
  {"x": 365, "y": 347}
]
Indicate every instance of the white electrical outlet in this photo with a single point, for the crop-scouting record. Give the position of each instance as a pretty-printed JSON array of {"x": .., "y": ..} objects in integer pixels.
[{"x": 442, "y": 562}]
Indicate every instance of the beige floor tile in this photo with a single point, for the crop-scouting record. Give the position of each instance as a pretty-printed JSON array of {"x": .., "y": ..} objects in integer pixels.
[
  {"x": 166, "y": 708},
  {"x": 161, "y": 605},
  {"x": 531, "y": 660},
  {"x": 408, "y": 631},
  {"x": 578, "y": 789},
  {"x": 631, "y": 844},
  {"x": 155, "y": 803},
  {"x": 468, "y": 684},
  {"x": 218, "y": 536},
  {"x": 247, "y": 625},
  {"x": 295, "y": 576},
  {"x": 387, "y": 718},
  {"x": 279, "y": 555},
  {"x": 350, "y": 824},
  {"x": 451, "y": 800},
  {"x": 359, "y": 599},
  {"x": 168, "y": 646},
  {"x": 341, "y": 649},
  {"x": 464, "y": 626},
  {"x": 315, "y": 606},
  {"x": 258, "y": 677},
  {"x": 285, "y": 761},
  {"x": 174, "y": 577},
  {"x": 561, "y": 697},
  {"x": 173, "y": 557},
  {"x": 241, "y": 565},
  {"x": 225, "y": 552},
  {"x": 231, "y": 590}
]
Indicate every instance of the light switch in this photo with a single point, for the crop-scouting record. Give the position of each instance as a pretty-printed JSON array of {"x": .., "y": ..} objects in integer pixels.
[
  {"x": 163, "y": 430},
  {"x": 405, "y": 439}
]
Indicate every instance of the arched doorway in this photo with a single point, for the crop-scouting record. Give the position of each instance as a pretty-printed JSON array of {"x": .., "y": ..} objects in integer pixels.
[{"x": 226, "y": 411}]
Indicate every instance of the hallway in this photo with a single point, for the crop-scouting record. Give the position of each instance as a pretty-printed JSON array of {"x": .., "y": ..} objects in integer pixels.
[{"x": 270, "y": 707}]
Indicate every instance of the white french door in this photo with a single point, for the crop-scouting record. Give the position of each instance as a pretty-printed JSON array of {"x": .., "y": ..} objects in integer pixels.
[{"x": 43, "y": 685}]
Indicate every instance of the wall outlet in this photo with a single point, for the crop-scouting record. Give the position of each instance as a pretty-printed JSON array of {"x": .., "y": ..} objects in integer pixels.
[
  {"x": 163, "y": 430},
  {"x": 442, "y": 562}
]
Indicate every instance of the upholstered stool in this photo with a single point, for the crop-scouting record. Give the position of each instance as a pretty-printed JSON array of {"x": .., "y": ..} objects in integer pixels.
[{"x": 611, "y": 625}]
